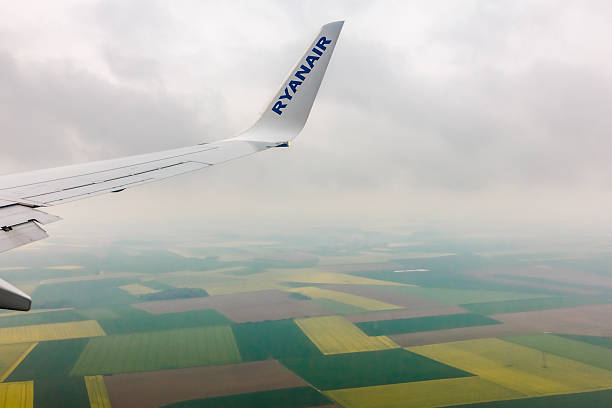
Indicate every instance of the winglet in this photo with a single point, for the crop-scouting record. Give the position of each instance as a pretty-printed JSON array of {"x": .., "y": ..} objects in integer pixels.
[{"x": 286, "y": 115}]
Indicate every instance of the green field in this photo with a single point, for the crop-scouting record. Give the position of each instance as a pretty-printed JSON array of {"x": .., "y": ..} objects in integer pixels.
[
  {"x": 301, "y": 397},
  {"x": 418, "y": 324},
  {"x": 49, "y": 365},
  {"x": 157, "y": 351},
  {"x": 272, "y": 339},
  {"x": 169, "y": 321},
  {"x": 594, "y": 340},
  {"x": 84, "y": 294},
  {"x": 364, "y": 369},
  {"x": 526, "y": 305},
  {"x": 594, "y": 399},
  {"x": 451, "y": 296},
  {"x": 585, "y": 353},
  {"x": 338, "y": 307}
]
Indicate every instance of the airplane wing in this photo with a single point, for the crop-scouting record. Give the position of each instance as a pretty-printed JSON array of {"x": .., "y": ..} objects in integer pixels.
[{"x": 24, "y": 195}]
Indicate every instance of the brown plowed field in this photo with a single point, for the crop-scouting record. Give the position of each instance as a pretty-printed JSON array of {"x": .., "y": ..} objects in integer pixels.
[
  {"x": 592, "y": 320},
  {"x": 459, "y": 334},
  {"x": 242, "y": 307},
  {"x": 404, "y": 314},
  {"x": 158, "y": 388},
  {"x": 385, "y": 295}
]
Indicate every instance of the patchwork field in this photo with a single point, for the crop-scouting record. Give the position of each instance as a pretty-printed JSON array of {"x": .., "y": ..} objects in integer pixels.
[
  {"x": 451, "y": 296},
  {"x": 592, "y": 399},
  {"x": 335, "y": 334},
  {"x": 301, "y": 397},
  {"x": 17, "y": 394},
  {"x": 420, "y": 324},
  {"x": 369, "y": 368},
  {"x": 385, "y": 294},
  {"x": 242, "y": 307},
  {"x": 144, "y": 322},
  {"x": 522, "y": 369},
  {"x": 53, "y": 331},
  {"x": 11, "y": 355},
  {"x": 424, "y": 394},
  {"x": 159, "y": 350},
  {"x": 404, "y": 314},
  {"x": 53, "y": 316},
  {"x": 459, "y": 334},
  {"x": 525, "y": 305},
  {"x": 158, "y": 388},
  {"x": 272, "y": 339},
  {"x": 347, "y": 298},
  {"x": 96, "y": 390},
  {"x": 582, "y": 320},
  {"x": 585, "y": 353}
]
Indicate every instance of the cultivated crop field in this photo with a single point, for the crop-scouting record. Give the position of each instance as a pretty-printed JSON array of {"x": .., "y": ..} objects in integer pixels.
[
  {"x": 53, "y": 331},
  {"x": 17, "y": 394},
  {"x": 522, "y": 369},
  {"x": 347, "y": 298},
  {"x": 159, "y": 350},
  {"x": 335, "y": 335}
]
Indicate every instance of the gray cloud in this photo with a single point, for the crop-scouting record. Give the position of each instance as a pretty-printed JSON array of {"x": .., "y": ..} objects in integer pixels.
[{"x": 473, "y": 104}]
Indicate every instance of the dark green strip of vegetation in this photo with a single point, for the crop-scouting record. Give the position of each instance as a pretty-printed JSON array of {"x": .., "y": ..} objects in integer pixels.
[
  {"x": 40, "y": 318},
  {"x": 300, "y": 397},
  {"x": 594, "y": 340},
  {"x": 427, "y": 323},
  {"x": 272, "y": 339},
  {"x": 157, "y": 285},
  {"x": 299, "y": 296},
  {"x": 526, "y": 305},
  {"x": 338, "y": 307},
  {"x": 151, "y": 323},
  {"x": 49, "y": 359},
  {"x": 594, "y": 399},
  {"x": 61, "y": 392},
  {"x": 175, "y": 293},
  {"x": 369, "y": 368}
]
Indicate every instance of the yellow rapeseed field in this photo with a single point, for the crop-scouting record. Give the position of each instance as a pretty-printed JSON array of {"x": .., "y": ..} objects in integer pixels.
[
  {"x": 138, "y": 289},
  {"x": 96, "y": 390},
  {"x": 52, "y": 331},
  {"x": 17, "y": 394},
  {"x": 347, "y": 298},
  {"x": 314, "y": 275},
  {"x": 522, "y": 369},
  {"x": 11, "y": 355},
  {"x": 336, "y": 335},
  {"x": 423, "y": 394}
]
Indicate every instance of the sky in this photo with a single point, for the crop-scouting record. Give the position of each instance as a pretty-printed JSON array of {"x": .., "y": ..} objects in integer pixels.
[{"x": 471, "y": 115}]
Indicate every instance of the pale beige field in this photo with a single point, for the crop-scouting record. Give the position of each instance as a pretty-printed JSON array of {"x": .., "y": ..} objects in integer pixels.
[{"x": 52, "y": 331}]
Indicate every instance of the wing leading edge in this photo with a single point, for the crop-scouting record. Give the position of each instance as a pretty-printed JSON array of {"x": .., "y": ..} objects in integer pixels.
[{"x": 21, "y": 195}]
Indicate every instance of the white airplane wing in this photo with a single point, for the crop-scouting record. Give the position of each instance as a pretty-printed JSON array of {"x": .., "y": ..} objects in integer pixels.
[{"x": 23, "y": 195}]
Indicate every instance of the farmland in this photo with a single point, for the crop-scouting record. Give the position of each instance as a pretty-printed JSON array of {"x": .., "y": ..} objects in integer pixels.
[
  {"x": 149, "y": 351},
  {"x": 296, "y": 324},
  {"x": 171, "y": 386},
  {"x": 369, "y": 368},
  {"x": 522, "y": 369},
  {"x": 53, "y": 331},
  {"x": 426, "y": 394},
  {"x": 427, "y": 323},
  {"x": 334, "y": 335}
]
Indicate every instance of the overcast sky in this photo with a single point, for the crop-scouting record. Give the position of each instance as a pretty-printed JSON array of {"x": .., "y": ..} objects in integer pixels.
[{"x": 465, "y": 114}]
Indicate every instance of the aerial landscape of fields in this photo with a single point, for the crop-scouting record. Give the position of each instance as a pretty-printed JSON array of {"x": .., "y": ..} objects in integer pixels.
[{"x": 358, "y": 320}]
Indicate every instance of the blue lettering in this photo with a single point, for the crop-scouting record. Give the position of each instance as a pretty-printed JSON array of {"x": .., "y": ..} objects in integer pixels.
[
  {"x": 322, "y": 41},
  {"x": 310, "y": 60},
  {"x": 278, "y": 106},
  {"x": 294, "y": 84},
  {"x": 300, "y": 73},
  {"x": 319, "y": 53},
  {"x": 285, "y": 95}
]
